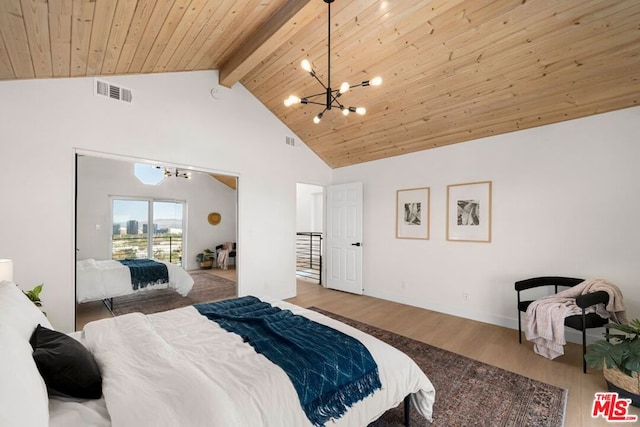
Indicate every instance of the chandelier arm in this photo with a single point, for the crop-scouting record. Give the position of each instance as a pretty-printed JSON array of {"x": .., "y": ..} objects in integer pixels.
[
  {"x": 316, "y": 103},
  {"x": 317, "y": 94},
  {"x": 334, "y": 98},
  {"x": 319, "y": 81}
]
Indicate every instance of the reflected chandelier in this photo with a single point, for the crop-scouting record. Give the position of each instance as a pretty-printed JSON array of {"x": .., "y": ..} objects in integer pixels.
[
  {"x": 169, "y": 172},
  {"x": 331, "y": 95}
]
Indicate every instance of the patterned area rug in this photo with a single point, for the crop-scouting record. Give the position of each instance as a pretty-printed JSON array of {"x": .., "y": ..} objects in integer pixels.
[
  {"x": 468, "y": 392},
  {"x": 206, "y": 288}
]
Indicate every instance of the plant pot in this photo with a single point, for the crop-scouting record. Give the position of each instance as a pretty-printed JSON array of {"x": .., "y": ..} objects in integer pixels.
[
  {"x": 206, "y": 264},
  {"x": 627, "y": 387}
]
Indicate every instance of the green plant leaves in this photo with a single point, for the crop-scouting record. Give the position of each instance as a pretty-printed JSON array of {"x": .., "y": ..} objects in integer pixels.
[
  {"x": 34, "y": 295},
  {"x": 622, "y": 352},
  {"x": 633, "y": 329},
  {"x": 632, "y": 362},
  {"x": 598, "y": 353}
]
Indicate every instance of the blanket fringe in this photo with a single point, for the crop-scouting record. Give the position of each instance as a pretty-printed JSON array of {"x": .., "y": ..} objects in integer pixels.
[{"x": 334, "y": 405}]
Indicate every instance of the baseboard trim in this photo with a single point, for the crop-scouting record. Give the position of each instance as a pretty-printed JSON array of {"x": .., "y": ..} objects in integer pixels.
[{"x": 571, "y": 335}]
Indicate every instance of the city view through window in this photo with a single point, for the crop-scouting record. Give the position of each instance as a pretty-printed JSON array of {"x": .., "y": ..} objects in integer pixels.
[{"x": 132, "y": 237}]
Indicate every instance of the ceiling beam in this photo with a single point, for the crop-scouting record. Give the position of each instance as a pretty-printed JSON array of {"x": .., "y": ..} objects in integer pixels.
[{"x": 284, "y": 24}]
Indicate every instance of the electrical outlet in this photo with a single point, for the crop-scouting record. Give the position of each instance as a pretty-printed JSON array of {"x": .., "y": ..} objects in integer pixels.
[
  {"x": 403, "y": 284},
  {"x": 465, "y": 296}
]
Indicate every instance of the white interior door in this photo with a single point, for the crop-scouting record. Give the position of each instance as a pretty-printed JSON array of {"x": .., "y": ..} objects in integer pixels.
[{"x": 344, "y": 237}]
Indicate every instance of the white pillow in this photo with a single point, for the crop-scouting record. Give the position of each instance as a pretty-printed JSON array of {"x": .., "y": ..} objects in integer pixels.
[
  {"x": 18, "y": 312},
  {"x": 23, "y": 394}
]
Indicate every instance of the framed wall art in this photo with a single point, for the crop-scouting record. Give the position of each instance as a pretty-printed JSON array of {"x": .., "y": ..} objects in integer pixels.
[
  {"x": 412, "y": 213},
  {"x": 469, "y": 212}
]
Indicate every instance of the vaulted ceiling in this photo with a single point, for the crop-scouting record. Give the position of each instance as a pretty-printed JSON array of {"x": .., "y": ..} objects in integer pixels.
[{"x": 453, "y": 70}]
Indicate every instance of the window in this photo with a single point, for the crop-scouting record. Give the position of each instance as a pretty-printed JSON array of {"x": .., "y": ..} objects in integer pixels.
[{"x": 132, "y": 237}]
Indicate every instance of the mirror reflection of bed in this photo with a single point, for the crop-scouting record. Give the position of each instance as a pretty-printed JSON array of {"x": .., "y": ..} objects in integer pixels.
[{"x": 117, "y": 199}]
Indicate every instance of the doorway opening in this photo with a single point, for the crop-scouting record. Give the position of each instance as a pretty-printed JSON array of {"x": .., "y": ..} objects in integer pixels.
[
  {"x": 309, "y": 232},
  {"x": 120, "y": 218}
]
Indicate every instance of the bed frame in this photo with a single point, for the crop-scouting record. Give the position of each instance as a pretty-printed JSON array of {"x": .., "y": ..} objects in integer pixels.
[{"x": 407, "y": 407}]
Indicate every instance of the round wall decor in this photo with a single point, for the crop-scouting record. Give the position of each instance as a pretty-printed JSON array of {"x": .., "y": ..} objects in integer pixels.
[{"x": 214, "y": 218}]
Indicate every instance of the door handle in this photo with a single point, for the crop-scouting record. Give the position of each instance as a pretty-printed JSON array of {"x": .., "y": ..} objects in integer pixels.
[{"x": 356, "y": 244}]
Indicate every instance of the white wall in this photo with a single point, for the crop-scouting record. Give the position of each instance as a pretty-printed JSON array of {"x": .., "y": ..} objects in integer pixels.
[
  {"x": 100, "y": 178},
  {"x": 565, "y": 199},
  {"x": 173, "y": 118},
  {"x": 564, "y": 196},
  {"x": 310, "y": 208}
]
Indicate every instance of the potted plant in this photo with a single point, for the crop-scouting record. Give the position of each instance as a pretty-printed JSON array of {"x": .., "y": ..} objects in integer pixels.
[
  {"x": 34, "y": 295},
  {"x": 205, "y": 258},
  {"x": 619, "y": 358}
]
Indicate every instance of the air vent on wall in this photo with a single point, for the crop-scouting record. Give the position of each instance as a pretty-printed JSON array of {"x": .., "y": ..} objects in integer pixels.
[
  {"x": 289, "y": 140},
  {"x": 112, "y": 91}
]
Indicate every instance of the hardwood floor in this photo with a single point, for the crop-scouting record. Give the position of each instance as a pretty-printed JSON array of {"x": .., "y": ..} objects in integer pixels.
[
  {"x": 491, "y": 344},
  {"x": 90, "y": 311}
]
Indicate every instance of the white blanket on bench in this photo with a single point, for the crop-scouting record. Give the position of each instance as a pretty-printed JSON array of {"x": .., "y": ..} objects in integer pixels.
[{"x": 544, "y": 320}]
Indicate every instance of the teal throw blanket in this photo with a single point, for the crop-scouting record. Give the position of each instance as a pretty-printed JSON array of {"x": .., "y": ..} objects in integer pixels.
[
  {"x": 145, "y": 272},
  {"x": 329, "y": 369}
]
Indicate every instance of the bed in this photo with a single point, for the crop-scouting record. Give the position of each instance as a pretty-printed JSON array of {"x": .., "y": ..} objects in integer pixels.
[
  {"x": 180, "y": 368},
  {"x": 105, "y": 279}
]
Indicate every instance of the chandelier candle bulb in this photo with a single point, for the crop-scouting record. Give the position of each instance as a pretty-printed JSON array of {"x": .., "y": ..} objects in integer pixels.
[
  {"x": 292, "y": 99},
  {"x": 344, "y": 87},
  {"x": 306, "y": 65},
  {"x": 361, "y": 110}
]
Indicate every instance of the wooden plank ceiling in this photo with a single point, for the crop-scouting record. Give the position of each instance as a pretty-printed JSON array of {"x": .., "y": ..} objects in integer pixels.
[{"x": 453, "y": 70}]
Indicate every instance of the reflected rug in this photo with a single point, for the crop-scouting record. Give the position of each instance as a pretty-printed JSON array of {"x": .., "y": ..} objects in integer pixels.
[
  {"x": 468, "y": 392},
  {"x": 206, "y": 288}
]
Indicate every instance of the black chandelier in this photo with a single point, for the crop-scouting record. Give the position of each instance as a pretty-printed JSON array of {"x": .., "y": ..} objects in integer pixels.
[
  {"x": 178, "y": 173},
  {"x": 331, "y": 95}
]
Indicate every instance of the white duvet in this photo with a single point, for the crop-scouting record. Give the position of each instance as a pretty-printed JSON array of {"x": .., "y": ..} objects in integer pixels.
[
  {"x": 104, "y": 279},
  {"x": 177, "y": 368}
]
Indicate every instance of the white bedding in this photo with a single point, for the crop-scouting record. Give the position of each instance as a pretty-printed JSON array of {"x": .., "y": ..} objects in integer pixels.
[
  {"x": 78, "y": 413},
  {"x": 179, "y": 368},
  {"x": 104, "y": 279}
]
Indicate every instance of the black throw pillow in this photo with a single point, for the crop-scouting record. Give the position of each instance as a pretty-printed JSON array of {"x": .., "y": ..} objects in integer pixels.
[{"x": 67, "y": 367}]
